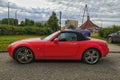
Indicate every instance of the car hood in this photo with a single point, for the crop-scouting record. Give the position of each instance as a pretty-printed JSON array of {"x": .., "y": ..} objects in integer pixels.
[{"x": 29, "y": 40}]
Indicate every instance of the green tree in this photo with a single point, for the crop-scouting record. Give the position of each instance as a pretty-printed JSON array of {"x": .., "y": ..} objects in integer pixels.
[
  {"x": 29, "y": 22},
  {"x": 12, "y": 21},
  {"x": 4, "y": 21},
  {"x": 16, "y": 22},
  {"x": 38, "y": 24},
  {"x": 22, "y": 23},
  {"x": 53, "y": 22},
  {"x": 0, "y": 22},
  {"x": 71, "y": 27}
]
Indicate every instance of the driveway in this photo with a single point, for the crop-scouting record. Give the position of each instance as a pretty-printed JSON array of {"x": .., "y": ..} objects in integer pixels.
[
  {"x": 114, "y": 48},
  {"x": 107, "y": 69}
]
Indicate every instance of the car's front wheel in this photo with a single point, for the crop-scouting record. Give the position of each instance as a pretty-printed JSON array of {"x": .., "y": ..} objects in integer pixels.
[
  {"x": 91, "y": 56},
  {"x": 24, "y": 55}
]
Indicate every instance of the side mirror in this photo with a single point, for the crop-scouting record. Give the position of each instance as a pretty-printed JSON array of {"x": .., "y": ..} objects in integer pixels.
[{"x": 56, "y": 40}]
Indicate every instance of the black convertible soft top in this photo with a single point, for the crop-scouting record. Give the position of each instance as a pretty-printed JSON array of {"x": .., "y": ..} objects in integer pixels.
[{"x": 79, "y": 34}]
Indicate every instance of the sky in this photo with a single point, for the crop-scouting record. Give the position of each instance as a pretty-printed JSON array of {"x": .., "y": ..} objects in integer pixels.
[{"x": 104, "y": 13}]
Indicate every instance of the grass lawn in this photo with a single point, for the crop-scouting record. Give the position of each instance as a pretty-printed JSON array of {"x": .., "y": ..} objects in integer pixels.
[
  {"x": 95, "y": 35},
  {"x": 6, "y": 40}
]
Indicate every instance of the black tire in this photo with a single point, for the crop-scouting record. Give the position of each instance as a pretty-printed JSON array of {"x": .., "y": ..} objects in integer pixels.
[
  {"x": 24, "y": 55},
  {"x": 91, "y": 56},
  {"x": 110, "y": 40}
]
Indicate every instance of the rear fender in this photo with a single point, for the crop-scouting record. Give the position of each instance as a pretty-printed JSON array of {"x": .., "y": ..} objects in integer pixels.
[{"x": 93, "y": 46}]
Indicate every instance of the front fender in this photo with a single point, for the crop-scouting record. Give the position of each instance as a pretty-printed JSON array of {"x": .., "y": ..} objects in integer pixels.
[{"x": 13, "y": 48}]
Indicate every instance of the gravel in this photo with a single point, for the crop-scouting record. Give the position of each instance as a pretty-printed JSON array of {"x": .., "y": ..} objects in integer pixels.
[{"x": 107, "y": 69}]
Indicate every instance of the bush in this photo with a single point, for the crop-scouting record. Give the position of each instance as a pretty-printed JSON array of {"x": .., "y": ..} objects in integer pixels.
[
  {"x": 15, "y": 30},
  {"x": 104, "y": 32}
]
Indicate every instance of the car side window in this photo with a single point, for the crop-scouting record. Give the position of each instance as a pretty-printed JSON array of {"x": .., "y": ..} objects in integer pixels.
[
  {"x": 118, "y": 33},
  {"x": 67, "y": 37}
]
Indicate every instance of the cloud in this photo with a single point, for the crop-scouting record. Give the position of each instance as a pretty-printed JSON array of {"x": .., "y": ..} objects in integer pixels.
[
  {"x": 107, "y": 11},
  {"x": 4, "y": 4}
]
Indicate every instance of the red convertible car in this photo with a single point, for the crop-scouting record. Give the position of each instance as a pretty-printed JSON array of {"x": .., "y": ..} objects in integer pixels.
[{"x": 61, "y": 45}]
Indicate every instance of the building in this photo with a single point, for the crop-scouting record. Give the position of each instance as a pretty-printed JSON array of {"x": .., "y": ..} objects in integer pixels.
[
  {"x": 63, "y": 28},
  {"x": 71, "y": 22},
  {"x": 90, "y": 25}
]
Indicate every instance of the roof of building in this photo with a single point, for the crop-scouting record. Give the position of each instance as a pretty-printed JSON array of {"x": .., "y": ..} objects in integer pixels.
[{"x": 88, "y": 24}]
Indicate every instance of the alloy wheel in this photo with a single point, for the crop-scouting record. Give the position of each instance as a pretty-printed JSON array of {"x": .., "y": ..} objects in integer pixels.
[
  {"x": 91, "y": 56},
  {"x": 24, "y": 55}
]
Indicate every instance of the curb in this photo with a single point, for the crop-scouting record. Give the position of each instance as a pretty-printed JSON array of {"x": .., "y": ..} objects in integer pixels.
[
  {"x": 3, "y": 51},
  {"x": 109, "y": 51},
  {"x": 114, "y": 51}
]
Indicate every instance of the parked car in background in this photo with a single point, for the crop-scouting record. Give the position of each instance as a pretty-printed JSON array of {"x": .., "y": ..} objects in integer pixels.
[
  {"x": 114, "y": 37},
  {"x": 61, "y": 45}
]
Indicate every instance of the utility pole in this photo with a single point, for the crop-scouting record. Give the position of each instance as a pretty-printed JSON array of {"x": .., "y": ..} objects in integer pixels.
[
  {"x": 101, "y": 23},
  {"x": 15, "y": 18},
  {"x": 60, "y": 18},
  {"x": 85, "y": 12},
  {"x": 8, "y": 13},
  {"x": 16, "y": 14}
]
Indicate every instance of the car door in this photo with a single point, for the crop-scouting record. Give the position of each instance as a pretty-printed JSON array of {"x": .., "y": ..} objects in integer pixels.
[
  {"x": 118, "y": 36},
  {"x": 67, "y": 46}
]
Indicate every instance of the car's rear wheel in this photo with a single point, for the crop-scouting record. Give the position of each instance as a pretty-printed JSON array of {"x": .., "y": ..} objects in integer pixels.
[
  {"x": 110, "y": 40},
  {"x": 24, "y": 55},
  {"x": 91, "y": 56}
]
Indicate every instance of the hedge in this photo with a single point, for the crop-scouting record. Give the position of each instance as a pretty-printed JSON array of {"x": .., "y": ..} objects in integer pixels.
[
  {"x": 104, "y": 32},
  {"x": 16, "y": 30}
]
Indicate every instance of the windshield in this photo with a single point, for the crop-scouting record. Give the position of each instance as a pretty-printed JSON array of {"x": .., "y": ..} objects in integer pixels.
[{"x": 50, "y": 36}]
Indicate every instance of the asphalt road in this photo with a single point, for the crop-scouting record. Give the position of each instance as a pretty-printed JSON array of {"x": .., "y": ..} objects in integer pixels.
[{"x": 107, "y": 69}]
